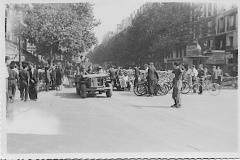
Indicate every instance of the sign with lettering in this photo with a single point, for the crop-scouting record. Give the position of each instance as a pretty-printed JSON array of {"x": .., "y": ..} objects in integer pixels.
[
  {"x": 217, "y": 58},
  {"x": 193, "y": 49}
]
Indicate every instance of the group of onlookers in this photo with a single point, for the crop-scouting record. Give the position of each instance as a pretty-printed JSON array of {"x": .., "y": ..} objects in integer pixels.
[
  {"x": 24, "y": 78},
  {"x": 27, "y": 77},
  {"x": 53, "y": 77}
]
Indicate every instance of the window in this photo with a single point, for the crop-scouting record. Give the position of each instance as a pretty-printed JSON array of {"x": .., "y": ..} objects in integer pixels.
[
  {"x": 183, "y": 52},
  {"x": 221, "y": 43},
  {"x": 208, "y": 44},
  {"x": 209, "y": 27},
  {"x": 231, "y": 22},
  {"x": 209, "y": 9},
  {"x": 231, "y": 41},
  {"x": 221, "y": 25}
]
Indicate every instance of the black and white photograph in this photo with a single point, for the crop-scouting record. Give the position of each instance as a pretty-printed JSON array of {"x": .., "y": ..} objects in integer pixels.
[{"x": 119, "y": 79}]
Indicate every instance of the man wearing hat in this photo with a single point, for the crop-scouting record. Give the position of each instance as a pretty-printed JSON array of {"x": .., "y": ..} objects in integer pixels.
[{"x": 151, "y": 78}]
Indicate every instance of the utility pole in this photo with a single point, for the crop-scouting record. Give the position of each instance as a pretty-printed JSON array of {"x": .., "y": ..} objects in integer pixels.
[{"x": 19, "y": 43}]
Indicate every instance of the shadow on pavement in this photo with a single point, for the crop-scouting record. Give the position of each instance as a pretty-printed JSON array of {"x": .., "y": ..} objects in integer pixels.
[
  {"x": 140, "y": 107},
  {"x": 126, "y": 93},
  {"x": 67, "y": 86},
  {"x": 68, "y": 95}
]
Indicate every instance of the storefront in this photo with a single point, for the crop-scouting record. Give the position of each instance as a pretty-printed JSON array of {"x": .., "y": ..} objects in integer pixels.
[
  {"x": 194, "y": 55},
  {"x": 220, "y": 58}
]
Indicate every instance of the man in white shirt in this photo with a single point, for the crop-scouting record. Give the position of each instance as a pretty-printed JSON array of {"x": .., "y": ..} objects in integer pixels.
[{"x": 189, "y": 74}]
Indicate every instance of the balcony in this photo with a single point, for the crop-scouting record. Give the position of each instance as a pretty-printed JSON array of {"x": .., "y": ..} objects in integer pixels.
[
  {"x": 221, "y": 30},
  {"x": 229, "y": 48},
  {"x": 232, "y": 28}
]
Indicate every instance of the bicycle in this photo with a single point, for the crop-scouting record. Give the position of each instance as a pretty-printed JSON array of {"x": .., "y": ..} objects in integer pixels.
[
  {"x": 213, "y": 88},
  {"x": 142, "y": 89}
]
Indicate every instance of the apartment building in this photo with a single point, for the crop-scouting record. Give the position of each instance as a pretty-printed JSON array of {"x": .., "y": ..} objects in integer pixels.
[{"x": 216, "y": 46}]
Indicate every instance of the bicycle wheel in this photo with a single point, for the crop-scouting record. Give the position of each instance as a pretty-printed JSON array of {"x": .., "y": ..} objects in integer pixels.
[
  {"x": 140, "y": 89},
  {"x": 185, "y": 88},
  {"x": 196, "y": 87},
  {"x": 215, "y": 89},
  {"x": 165, "y": 89},
  {"x": 207, "y": 85},
  {"x": 160, "y": 89}
]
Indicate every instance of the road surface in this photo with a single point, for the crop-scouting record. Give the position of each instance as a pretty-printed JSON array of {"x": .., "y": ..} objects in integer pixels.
[{"x": 62, "y": 122}]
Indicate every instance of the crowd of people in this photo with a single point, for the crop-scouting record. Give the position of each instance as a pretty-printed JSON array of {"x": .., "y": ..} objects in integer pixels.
[{"x": 27, "y": 78}]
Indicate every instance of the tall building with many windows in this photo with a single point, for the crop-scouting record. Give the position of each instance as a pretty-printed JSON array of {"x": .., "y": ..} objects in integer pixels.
[{"x": 218, "y": 45}]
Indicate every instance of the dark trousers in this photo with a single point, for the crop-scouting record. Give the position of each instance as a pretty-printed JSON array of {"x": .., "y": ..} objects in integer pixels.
[
  {"x": 176, "y": 94},
  {"x": 33, "y": 91},
  {"x": 113, "y": 82},
  {"x": 53, "y": 84},
  {"x": 12, "y": 88},
  {"x": 151, "y": 86},
  {"x": 23, "y": 90},
  {"x": 219, "y": 80},
  {"x": 47, "y": 85},
  {"x": 135, "y": 82},
  {"x": 200, "y": 87}
]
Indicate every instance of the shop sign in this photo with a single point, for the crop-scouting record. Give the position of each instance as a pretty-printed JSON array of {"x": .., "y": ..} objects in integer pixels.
[
  {"x": 193, "y": 49},
  {"x": 173, "y": 60},
  {"x": 217, "y": 58}
]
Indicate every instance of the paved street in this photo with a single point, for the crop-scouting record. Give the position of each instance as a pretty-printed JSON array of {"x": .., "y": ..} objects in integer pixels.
[{"x": 62, "y": 122}]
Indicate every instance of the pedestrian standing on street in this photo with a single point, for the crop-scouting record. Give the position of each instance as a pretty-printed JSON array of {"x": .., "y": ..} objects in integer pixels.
[
  {"x": 220, "y": 75},
  {"x": 136, "y": 75},
  {"x": 214, "y": 75},
  {"x": 47, "y": 78},
  {"x": 189, "y": 74},
  {"x": 7, "y": 62},
  {"x": 151, "y": 78},
  {"x": 112, "y": 76},
  {"x": 33, "y": 73},
  {"x": 24, "y": 78},
  {"x": 177, "y": 85},
  {"x": 194, "y": 77},
  {"x": 12, "y": 83},
  {"x": 53, "y": 77},
  {"x": 59, "y": 78},
  {"x": 201, "y": 78}
]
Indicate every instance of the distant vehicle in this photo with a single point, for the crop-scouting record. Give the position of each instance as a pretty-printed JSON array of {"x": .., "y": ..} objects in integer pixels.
[{"x": 92, "y": 83}]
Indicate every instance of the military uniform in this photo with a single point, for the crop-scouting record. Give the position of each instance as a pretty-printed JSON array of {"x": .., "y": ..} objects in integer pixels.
[{"x": 12, "y": 83}]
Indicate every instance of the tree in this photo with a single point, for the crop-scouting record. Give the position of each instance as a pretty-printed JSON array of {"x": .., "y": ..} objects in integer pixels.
[
  {"x": 59, "y": 28},
  {"x": 158, "y": 29}
]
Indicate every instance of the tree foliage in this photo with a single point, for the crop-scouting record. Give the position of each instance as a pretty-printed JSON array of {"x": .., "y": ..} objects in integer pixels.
[
  {"x": 65, "y": 28},
  {"x": 158, "y": 29}
]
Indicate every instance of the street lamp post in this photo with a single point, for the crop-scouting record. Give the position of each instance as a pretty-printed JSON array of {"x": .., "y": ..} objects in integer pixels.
[{"x": 19, "y": 39}]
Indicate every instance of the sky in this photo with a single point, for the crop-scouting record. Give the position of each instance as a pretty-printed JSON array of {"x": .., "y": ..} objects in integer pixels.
[{"x": 112, "y": 12}]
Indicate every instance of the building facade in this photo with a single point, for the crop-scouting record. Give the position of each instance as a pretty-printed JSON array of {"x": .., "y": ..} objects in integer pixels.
[{"x": 218, "y": 45}]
